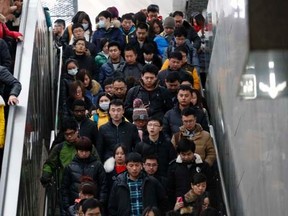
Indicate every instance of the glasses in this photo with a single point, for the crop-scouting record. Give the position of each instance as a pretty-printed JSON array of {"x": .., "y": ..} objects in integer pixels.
[
  {"x": 188, "y": 121},
  {"x": 151, "y": 165},
  {"x": 153, "y": 125}
]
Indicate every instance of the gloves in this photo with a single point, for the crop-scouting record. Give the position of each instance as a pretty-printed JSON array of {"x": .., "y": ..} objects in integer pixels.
[{"x": 46, "y": 180}]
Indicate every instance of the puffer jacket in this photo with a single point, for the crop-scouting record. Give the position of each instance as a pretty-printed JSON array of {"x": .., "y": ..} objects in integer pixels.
[
  {"x": 153, "y": 194},
  {"x": 71, "y": 179},
  {"x": 6, "y": 78},
  {"x": 129, "y": 37},
  {"x": 203, "y": 142},
  {"x": 5, "y": 57},
  {"x": 107, "y": 70},
  {"x": 92, "y": 93}
]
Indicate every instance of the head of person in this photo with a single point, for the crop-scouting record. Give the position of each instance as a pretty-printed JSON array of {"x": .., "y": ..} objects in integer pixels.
[
  {"x": 104, "y": 45},
  {"x": 119, "y": 153},
  {"x": 148, "y": 52},
  {"x": 180, "y": 35},
  {"x": 156, "y": 27},
  {"x": 119, "y": 88},
  {"x": 103, "y": 101},
  {"x": 189, "y": 117},
  {"x": 187, "y": 80},
  {"x": 85, "y": 21},
  {"x": 199, "y": 183},
  {"x": 186, "y": 150},
  {"x": 150, "y": 164},
  {"x": 114, "y": 12},
  {"x": 79, "y": 46},
  {"x": 205, "y": 199},
  {"x": 178, "y": 18},
  {"x": 149, "y": 75},
  {"x": 85, "y": 77},
  {"x": 196, "y": 98},
  {"x": 108, "y": 85},
  {"x": 78, "y": 30},
  {"x": 70, "y": 130},
  {"x": 134, "y": 165},
  {"x": 59, "y": 26},
  {"x": 91, "y": 207},
  {"x": 87, "y": 188},
  {"x": 79, "y": 109},
  {"x": 152, "y": 12},
  {"x": 127, "y": 22},
  {"x": 83, "y": 147},
  {"x": 77, "y": 90},
  {"x": 154, "y": 126},
  {"x": 142, "y": 32},
  {"x": 184, "y": 51},
  {"x": 175, "y": 61},
  {"x": 130, "y": 55},
  {"x": 116, "y": 110},
  {"x": 169, "y": 25},
  {"x": 151, "y": 211},
  {"x": 139, "y": 17},
  {"x": 172, "y": 82},
  {"x": 114, "y": 49},
  {"x": 71, "y": 66},
  {"x": 104, "y": 18},
  {"x": 78, "y": 208},
  {"x": 184, "y": 95},
  {"x": 197, "y": 21}
]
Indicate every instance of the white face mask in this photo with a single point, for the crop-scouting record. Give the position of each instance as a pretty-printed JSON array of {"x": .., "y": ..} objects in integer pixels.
[
  {"x": 101, "y": 24},
  {"x": 85, "y": 26},
  {"x": 104, "y": 105},
  {"x": 73, "y": 72}
]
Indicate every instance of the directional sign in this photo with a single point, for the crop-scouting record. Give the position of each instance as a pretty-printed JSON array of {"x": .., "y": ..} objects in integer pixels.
[{"x": 272, "y": 89}]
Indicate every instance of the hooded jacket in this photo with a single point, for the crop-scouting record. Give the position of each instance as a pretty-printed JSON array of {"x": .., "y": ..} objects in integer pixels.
[{"x": 107, "y": 70}]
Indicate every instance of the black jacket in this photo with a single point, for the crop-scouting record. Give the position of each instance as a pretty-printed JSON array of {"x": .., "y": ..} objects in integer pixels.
[
  {"x": 6, "y": 78},
  {"x": 109, "y": 135},
  {"x": 71, "y": 179},
  {"x": 192, "y": 35},
  {"x": 162, "y": 149},
  {"x": 153, "y": 194},
  {"x": 5, "y": 57}
]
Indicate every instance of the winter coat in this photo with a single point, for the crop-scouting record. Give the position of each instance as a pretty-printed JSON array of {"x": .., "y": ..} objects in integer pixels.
[
  {"x": 203, "y": 142},
  {"x": 153, "y": 194},
  {"x": 192, "y": 35},
  {"x": 5, "y": 32},
  {"x": 112, "y": 34},
  {"x": 100, "y": 59},
  {"x": 158, "y": 99},
  {"x": 172, "y": 121},
  {"x": 92, "y": 93},
  {"x": 7, "y": 79},
  {"x": 110, "y": 135},
  {"x": 65, "y": 82},
  {"x": 133, "y": 70},
  {"x": 107, "y": 70},
  {"x": 162, "y": 149},
  {"x": 163, "y": 42},
  {"x": 5, "y": 57},
  {"x": 100, "y": 117},
  {"x": 129, "y": 37},
  {"x": 69, "y": 51},
  {"x": 71, "y": 179}
]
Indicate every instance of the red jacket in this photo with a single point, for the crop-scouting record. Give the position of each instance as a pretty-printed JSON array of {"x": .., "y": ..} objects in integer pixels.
[{"x": 4, "y": 31}]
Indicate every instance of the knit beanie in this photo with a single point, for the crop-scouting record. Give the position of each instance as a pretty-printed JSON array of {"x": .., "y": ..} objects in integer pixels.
[
  {"x": 169, "y": 22},
  {"x": 139, "y": 112},
  {"x": 114, "y": 11}
]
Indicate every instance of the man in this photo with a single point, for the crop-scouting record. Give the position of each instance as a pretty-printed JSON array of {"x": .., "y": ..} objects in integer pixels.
[
  {"x": 175, "y": 61},
  {"x": 156, "y": 98},
  {"x": 128, "y": 29},
  {"x": 86, "y": 127},
  {"x": 58, "y": 30},
  {"x": 78, "y": 33},
  {"x": 119, "y": 87},
  {"x": 192, "y": 34},
  {"x": 117, "y": 130},
  {"x": 164, "y": 39},
  {"x": 150, "y": 56},
  {"x": 141, "y": 39},
  {"x": 173, "y": 120},
  {"x": 193, "y": 131},
  {"x": 153, "y": 12},
  {"x": 133, "y": 191},
  {"x": 172, "y": 83},
  {"x": 115, "y": 62},
  {"x": 91, "y": 207},
  {"x": 155, "y": 144},
  {"x": 181, "y": 170},
  {"x": 106, "y": 29}
]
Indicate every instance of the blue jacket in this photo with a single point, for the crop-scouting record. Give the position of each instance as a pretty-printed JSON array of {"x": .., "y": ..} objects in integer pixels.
[{"x": 107, "y": 70}]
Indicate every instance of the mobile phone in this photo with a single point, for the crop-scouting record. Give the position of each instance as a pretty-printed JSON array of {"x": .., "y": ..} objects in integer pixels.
[{"x": 179, "y": 199}]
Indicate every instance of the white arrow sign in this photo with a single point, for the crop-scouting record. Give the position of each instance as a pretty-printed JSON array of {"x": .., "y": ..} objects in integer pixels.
[{"x": 273, "y": 89}]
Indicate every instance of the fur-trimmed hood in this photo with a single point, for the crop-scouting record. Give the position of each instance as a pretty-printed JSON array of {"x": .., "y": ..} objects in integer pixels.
[{"x": 95, "y": 87}]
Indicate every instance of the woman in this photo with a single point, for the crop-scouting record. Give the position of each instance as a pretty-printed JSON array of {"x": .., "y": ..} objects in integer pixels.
[
  {"x": 156, "y": 28},
  {"x": 151, "y": 211},
  {"x": 102, "y": 57},
  {"x": 93, "y": 88},
  {"x": 101, "y": 116}
]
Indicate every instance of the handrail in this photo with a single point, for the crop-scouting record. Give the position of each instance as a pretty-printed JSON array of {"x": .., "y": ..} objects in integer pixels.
[{"x": 224, "y": 193}]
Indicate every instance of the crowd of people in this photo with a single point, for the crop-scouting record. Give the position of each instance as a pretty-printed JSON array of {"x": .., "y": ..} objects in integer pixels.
[{"x": 134, "y": 135}]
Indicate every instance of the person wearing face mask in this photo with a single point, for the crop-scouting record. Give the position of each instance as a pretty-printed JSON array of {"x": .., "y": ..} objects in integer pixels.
[
  {"x": 101, "y": 115},
  {"x": 107, "y": 29}
]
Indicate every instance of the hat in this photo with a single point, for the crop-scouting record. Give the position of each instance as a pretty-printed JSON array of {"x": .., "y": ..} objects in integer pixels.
[
  {"x": 140, "y": 114},
  {"x": 114, "y": 11},
  {"x": 84, "y": 144},
  {"x": 169, "y": 22}
]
